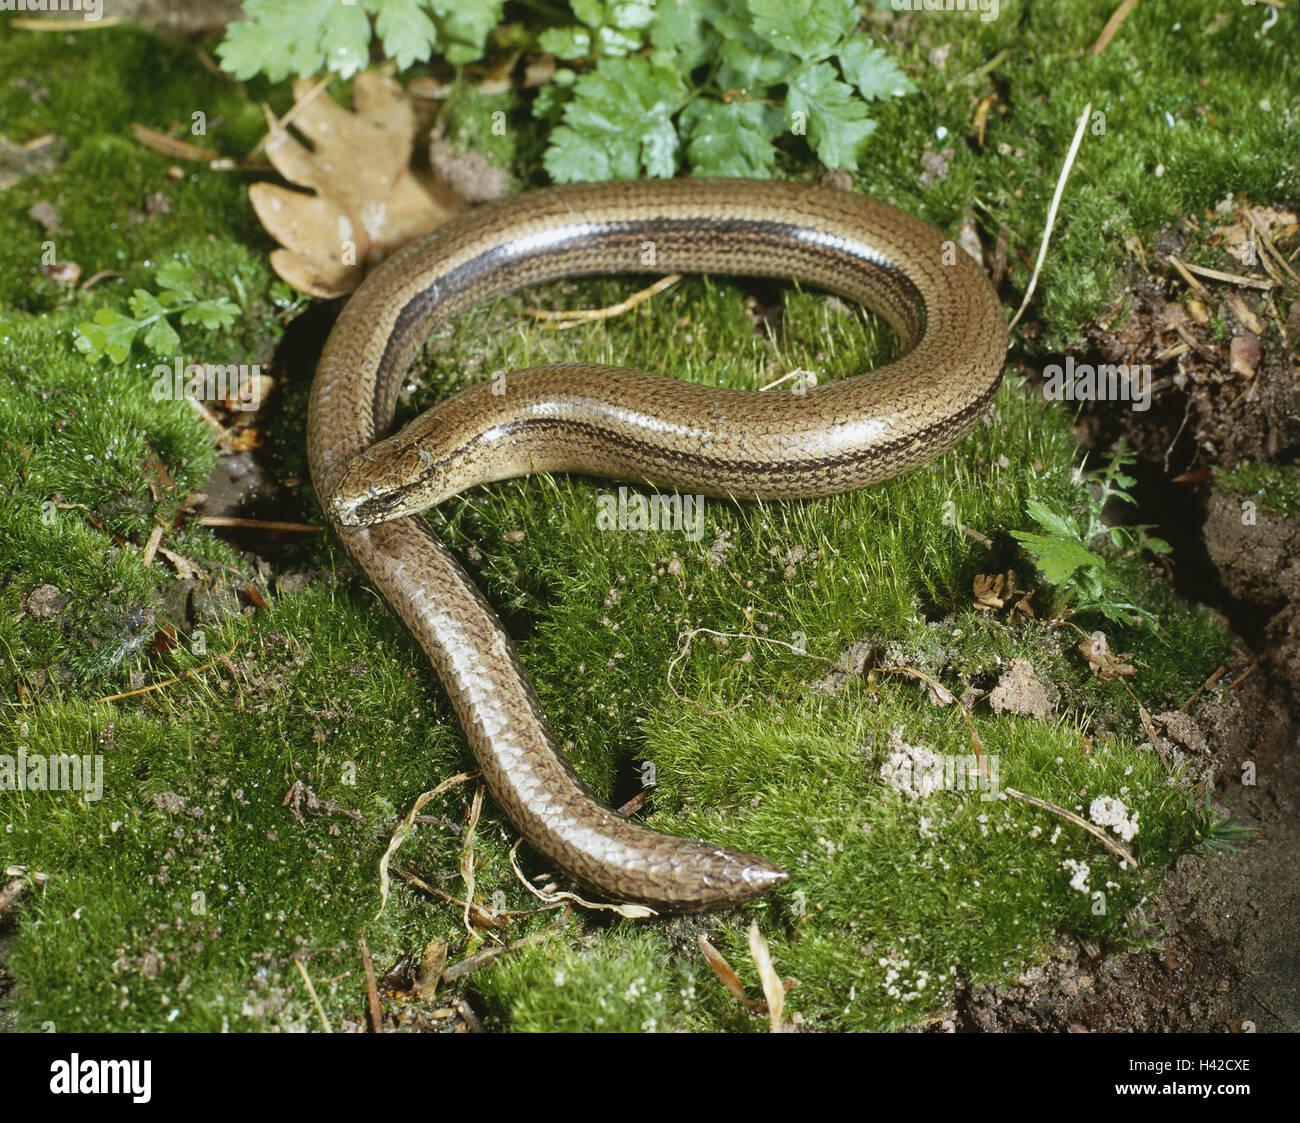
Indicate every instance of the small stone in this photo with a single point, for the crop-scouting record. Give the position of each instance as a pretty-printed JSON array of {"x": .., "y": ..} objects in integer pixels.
[
  {"x": 45, "y": 602},
  {"x": 1019, "y": 691}
]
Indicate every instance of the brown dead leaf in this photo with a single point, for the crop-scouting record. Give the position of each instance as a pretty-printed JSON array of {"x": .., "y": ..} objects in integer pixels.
[
  {"x": 432, "y": 963},
  {"x": 367, "y": 202},
  {"x": 1021, "y": 691},
  {"x": 773, "y": 984},
  {"x": 1244, "y": 355},
  {"x": 726, "y": 975},
  {"x": 1104, "y": 662},
  {"x": 994, "y": 590}
]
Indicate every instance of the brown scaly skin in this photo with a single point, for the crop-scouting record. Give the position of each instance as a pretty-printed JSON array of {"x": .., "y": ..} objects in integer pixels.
[{"x": 630, "y": 425}]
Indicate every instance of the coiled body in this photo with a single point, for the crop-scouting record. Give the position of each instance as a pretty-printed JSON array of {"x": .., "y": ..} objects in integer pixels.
[{"x": 606, "y": 421}]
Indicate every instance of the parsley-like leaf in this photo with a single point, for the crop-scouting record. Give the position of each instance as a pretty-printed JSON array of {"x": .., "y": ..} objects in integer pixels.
[
  {"x": 732, "y": 139},
  {"x": 837, "y": 121},
  {"x": 109, "y": 334},
  {"x": 405, "y": 29},
  {"x": 872, "y": 71},
  {"x": 618, "y": 123},
  {"x": 1057, "y": 558},
  {"x": 810, "y": 29}
]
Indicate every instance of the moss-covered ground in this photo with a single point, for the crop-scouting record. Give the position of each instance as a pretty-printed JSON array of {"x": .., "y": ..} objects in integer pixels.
[{"x": 181, "y": 898}]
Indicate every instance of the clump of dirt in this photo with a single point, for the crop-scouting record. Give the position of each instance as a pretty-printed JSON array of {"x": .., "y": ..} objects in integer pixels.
[
  {"x": 1225, "y": 389},
  {"x": 1223, "y": 376},
  {"x": 1258, "y": 558},
  {"x": 1224, "y": 956}
]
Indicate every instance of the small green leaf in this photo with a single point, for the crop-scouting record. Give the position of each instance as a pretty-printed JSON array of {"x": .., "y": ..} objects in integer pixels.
[
  {"x": 872, "y": 72},
  {"x": 212, "y": 314},
  {"x": 1061, "y": 526},
  {"x": 750, "y": 64},
  {"x": 1057, "y": 558},
  {"x": 837, "y": 120},
  {"x": 108, "y": 334},
  {"x": 144, "y": 305},
  {"x": 618, "y": 123},
  {"x": 575, "y": 157},
  {"x": 345, "y": 38},
  {"x": 810, "y": 29},
  {"x": 279, "y": 38},
  {"x": 732, "y": 139},
  {"x": 679, "y": 35},
  {"x": 405, "y": 29},
  {"x": 161, "y": 338},
  {"x": 464, "y": 27},
  {"x": 176, "y": 276},
  {"x": 566, "y": 42}
]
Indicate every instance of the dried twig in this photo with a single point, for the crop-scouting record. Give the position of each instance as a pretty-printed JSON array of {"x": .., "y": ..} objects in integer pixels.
[
  {"x": 482, "y": 917},
  {"x": 684, "y": 646},
  {"x": 167, "y": 682},
  {"x": 1051, "y": 213},
  {"x": 151, "y": 547},
  {"x": 467, "y": 856},
  {"x": 1113, "y": 25},
  {"x": 1070, "y": 817},
  {"x": 563, "y": 320},
  {"x": 406, "y": 825},
  {"x": 473, "y": 1024},
  {"x": 773, "y": 987},
  {"x": 311, "y": 990},
  {"x": 1218, "y": 673},
  {"x": 256, "y": 524},
  {"x": 373, "y": 1009},
  {"x": 556, "y": 896},
  {"x": 183, "y": 150},
  {"x": 939, "y": 691},
  {"x": 727, "y": 976},
  {"x": 633, "y": 805},
  {"x": 1229, "y": 278},
  {"x": 1243, "y": 676},
  {"x": 288, "y": 118},
  {"x": 474, "y": 962}
]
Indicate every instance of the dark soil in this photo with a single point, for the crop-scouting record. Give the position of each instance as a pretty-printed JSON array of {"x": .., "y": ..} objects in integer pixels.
[{"x": 1223, "y": 955}]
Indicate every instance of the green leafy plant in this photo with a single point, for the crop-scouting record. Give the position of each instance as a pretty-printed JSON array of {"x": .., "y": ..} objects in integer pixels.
[
  {"x": 1063, "y": 547},
  {"x": 302, "y": 37},
  {"x": 643, "y": 88},
  {"x": 110, "y": 334},
  {"x": 1217, "y": 830},
  {"x": 722, "y": 80}
]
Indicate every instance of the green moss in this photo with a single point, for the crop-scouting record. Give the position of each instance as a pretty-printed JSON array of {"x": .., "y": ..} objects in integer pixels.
[
  {"x": 626, "y": 985},
  {"x": 323, "y": 687},
  {"x": 1275, "y": 487},
  {"x": 118, "y": 206},
  {"x": 1195, "y": 104}
]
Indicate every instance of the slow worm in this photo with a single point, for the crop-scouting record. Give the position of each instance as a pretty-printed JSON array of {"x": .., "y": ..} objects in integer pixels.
[{"x": 631, "y": 425}]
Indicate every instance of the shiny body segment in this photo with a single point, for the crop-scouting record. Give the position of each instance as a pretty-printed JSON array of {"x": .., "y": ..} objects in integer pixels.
[{"x": 633, "y": 425}]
